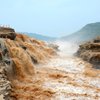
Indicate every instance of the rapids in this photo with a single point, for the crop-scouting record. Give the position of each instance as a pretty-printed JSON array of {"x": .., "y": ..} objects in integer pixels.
[
  {"x": 70, "y": 77},
  {"x": 38, "y": 72}
]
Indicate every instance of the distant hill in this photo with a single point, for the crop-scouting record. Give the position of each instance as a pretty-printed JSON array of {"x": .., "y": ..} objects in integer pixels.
[
  {"x": 40, "y": 37},
  {"x": 88, "y": 32}
]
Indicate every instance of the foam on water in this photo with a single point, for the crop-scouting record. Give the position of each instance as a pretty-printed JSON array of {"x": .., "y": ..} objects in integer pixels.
[{"x": 79, "y": 87}]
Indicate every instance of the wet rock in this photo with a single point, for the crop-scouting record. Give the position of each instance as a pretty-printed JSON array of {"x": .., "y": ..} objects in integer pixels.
[
  {"x": 7, "y": 61},
  {"x": 11, "y": 36},
  {"x": 5, "y": 85},
  {"x": 6, "y": 29},
  {"x": 24, "y": 47},
  {"x": 0, "y": 55},
  {"x": 5, "y": 51},
  {"x": 7, "y": 33},
  {"x": 34, "y": 60},
  {"x": 90, "y": 52}
]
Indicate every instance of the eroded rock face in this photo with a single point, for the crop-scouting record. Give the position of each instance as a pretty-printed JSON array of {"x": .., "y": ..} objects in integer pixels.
[
  {"x": 90, "y": 52},
  {"x": 6, "y": 29},
  {"x": 7, "y": 33},
  {"x": 5, "y": 85},
  {"x": 19, "y": 57}
]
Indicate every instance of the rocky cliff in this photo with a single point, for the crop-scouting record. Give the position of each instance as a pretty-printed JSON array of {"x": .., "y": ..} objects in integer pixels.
[
  {"x": 90, "y": 52},
  {"x": 19, "y": 56}
]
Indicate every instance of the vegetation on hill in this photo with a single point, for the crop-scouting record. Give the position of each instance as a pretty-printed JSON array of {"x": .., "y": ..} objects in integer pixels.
[{"x": 88, "y": 32}]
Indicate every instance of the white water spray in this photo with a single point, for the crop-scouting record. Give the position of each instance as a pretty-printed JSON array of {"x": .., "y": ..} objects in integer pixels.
[{"x": 66, "y": 48}]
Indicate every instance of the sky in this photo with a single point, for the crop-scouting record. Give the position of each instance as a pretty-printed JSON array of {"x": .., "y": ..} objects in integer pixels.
[{"x": 54, "y": 18}]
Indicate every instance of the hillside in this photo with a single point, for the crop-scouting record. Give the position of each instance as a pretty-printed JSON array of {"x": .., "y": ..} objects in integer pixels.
[
  {"x": 40, "y": 37},
  {"x": 88, "y": 32}
]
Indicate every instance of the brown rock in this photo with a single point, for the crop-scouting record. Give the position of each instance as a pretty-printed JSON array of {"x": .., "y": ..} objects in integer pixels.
[
  {"x": 6, "y": 29},
  {"x": 90, "y": 52},
  {"x": 11, "y": 36},
  {"x": 7, "y": 33}
]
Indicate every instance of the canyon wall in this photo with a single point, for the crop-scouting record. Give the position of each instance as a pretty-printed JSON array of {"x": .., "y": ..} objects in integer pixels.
[{"x": 90, "y": 51}]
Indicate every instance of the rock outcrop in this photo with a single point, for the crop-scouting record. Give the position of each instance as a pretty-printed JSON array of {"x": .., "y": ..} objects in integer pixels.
[
  {"x": 6, "y": 29},
  {"x": 90, "y": 52},
  {"x": 7, "y": 33},
  {"x": 5, "y": 85},
  {"x": 19, "y": 55}
]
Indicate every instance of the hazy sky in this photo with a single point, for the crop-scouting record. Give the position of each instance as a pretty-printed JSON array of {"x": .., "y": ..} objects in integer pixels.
[{"x": 49, "y": 17}]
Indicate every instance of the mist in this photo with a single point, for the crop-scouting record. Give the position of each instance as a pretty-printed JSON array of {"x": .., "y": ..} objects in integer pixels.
[{"x": 66, "y": 48}]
